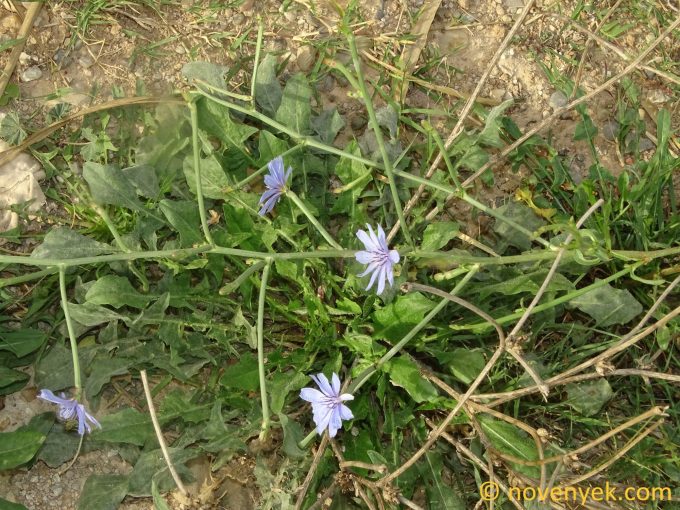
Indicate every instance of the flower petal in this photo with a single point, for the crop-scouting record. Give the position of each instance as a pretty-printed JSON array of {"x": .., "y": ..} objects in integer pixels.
[
  {"x": 51, "y": 397},
  {"x": 322, "y": 381},
  {"x": 364, "y": 257},
  {"x": 335, "y": 423},
  {"x": 381, "y": 280},
  {"x": 322, "y": 420},
  {"x": 346, "y": 396},
  {"x": 373, "y": 277},
  {"x": 311, "y": 395},
  {"x": 373, "y": 237},
  {"x": 367, "y": 241},
  {"x": 346, "y": 412},
  {"x": 394, "y": 256},
  {"x": 335, "y": 383}
]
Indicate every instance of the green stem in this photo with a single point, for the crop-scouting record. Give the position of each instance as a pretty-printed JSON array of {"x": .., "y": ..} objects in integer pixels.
[
  {"x": 256, "y": 64},
  {"x": 71, "y": 334},
  {"x": 260, "y": 350},
  {"x": 232, "y": 286},
  {"x": 299, "y": 138},
  {"x": 197, "y": 171},
  {"x": 368, "y": 372},
  {"x": 16, "y": 280},
  {"x": 293, "y": 196},
  {"x": 387, "y": 163},
  {"x": 308, "y": 439}
]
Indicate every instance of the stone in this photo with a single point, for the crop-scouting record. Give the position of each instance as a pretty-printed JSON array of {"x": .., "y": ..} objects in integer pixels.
[
  {"x": 31, "y": 74},
  {"x": 558, "y": 100},
  {"x": 645, "y": 144},
  {"x": 658, "y": 97},
  {"x": 513, "y": 5},
  {"x": 24, "y": 58},
  {"x": 86, "y": 61}
]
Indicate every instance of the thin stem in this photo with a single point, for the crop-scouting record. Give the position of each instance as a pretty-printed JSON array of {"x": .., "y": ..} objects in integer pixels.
[
  {"x": 15, "y": 280},
  {"x": 197, "y": 171},
  {"x": 260, "y": 350},
  {"x": 311, "y": 142},
  {"x": 368, "y": 372},
  {"x": 373, "y": 120},
  {"x": 71, "y": 334},
  {"x": 232, "y": 286},
  {"x": 308, "y": 439},
  {"x": 101, "y": 211},
  {"x": 256, "y": 64},
  {"x": 293, "y": 196}
]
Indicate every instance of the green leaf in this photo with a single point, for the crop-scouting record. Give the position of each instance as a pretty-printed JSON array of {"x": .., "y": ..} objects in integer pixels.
[
  {"x": 11, "y": 130},
  {"x": 490, "y": 135},
  {"x": 281, "y": 387},
  {"x": 103, "y": 492},
  {"x": 59, "y": 447},
  {"x": 437, "y": 235},
  {"x": 270, "y": 147},
  {"x": 11, "y": 380},
  {"x": 267, "y": 87},
  {"x": 286, "y": 268},
  {"x": 213, "y": 179},
  {"x": 608, "y": 305},
  {"x": 242, "y": 375},
  {"x": 22, "y": 342},
  {"x": 388, "y": 117},
  {"x": 144, "y": 179},
  {"x": 405, "y": 374},
  {"x": 511, "y": 440},
  {"x": 9, "y": 505},
  {"x": 101, "y": 372},
  {"x": 125, "y": 426},
  {"x": 327, "y": 125},
  {"x": 64, "y": 243},
  {"x": 109, "y": 185},
  {"x": 295, "y": 109},
  {"x": 89, "y": 314},
  {"x": 151, "y": 466},
  {"x": 212, "y": 74},
  {"x": 397, "y": 318},
  {"x": 439, "y": 495},
  {"x": 217, "y": 121},
  {"x": 242, "y": 323},
  {"x": 522, "y": 215},
  {"x": 585, "y": 130},
  {"x": 589, "y": 397},
  {"x": 158, "y": 502},
  {"x": 292, "y": 435},
  {"x": 55, "y": 370},
  {"x": 464, "y": 364},
  {"x": 18, "y": 447},
  {"x": 116, "y": 291}
]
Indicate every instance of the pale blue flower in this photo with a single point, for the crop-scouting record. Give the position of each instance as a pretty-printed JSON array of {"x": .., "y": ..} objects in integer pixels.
[
  {"x": 327, "y": 405},
  {"x": 275, "y": 182},
  {"x": 378, "y": 256},
  {"x": 70, "y": 409}
]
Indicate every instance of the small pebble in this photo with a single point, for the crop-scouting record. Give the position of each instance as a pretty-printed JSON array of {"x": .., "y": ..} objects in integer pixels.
[
  {"x": 658, "y": 97},
  {"x": 31, "y": 74},
  {"x": 557, "y": 100},
  {"x": 61, "y": 57},
  {"x": 645, "y": 144},
  {"x": 24, "y": 58},
  {"x": 86, "y": 61}
]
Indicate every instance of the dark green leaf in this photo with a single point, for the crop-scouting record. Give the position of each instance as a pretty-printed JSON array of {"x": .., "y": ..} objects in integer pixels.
[
  {"x": 184, "y": 217},
  {"x": 22, "y": 342},
  {"x": 608, "y": 305},
  {"x": 125, "y": 426},
  {"x": 103, "y": 492},
  {"x": 242, "y": 375},
  {"x": 11, "y": 380},
  {"x": 524, "y": 216},
  {"x": 11, "y": 130},
  {"x": 158, "y": 502},
  {"x": 292, "y": 435},
  {"x": 464, "y": 364},
  {"x": 18, "y": 447},
  {"x": 89, "y": 314},
  {"x": 490, "y": 135},
  {"x": 439, "y": 495},
  {"x": 327, "y": 125},
  {"x": 151, "y": 465},
  {"x": 397, "y": 318},
  {"x": 64, "y": 243},
  {"x": 585, "y": 130},
  {"x": 270, "y": 147},
  {"x": 267, "y": 87},
  {"x": 511, "y": 440},
  {"x": 59, "y": 447},
  {"x": 217, "y": 121},
  {"x": 109, "y": 185},
  {"x": 101, "y": 372},
  {"x": 116, "y": 291},
  {"x": 282, "y": 385},
  {"x": 8, "y": 505},
  {"x": 55, "y": 370},
  {"x": 144, "y": 179},
  {"x": 295, "y": 108}
]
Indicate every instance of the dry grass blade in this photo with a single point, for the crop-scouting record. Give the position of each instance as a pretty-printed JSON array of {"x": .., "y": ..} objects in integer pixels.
[
  {"x": 26, "y": 27},
  {"x": 312, "y": 470}
]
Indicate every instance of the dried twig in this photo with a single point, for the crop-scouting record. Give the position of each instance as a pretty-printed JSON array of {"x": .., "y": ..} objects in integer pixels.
[
  {"x": 312, "y": 470},
  {"x": 159, "y": 435},
  {"x": 26, "y": 27}
]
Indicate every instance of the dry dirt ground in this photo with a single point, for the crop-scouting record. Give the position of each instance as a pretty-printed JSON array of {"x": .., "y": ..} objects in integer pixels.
[{"x": 129, "y": 48}]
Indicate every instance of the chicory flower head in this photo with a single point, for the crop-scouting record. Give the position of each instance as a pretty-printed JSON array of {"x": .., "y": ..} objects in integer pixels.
[
  {"x": 327, "y": 405},
  {"x": 378, "y": 256},
  {"x": 275, "y": 183},
  {"x": 70, "y": 409}
]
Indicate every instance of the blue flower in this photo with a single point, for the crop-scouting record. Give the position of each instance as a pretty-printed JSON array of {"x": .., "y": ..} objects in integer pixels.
[
  {"x": 275, "y": 183},
  {"x": 70, "y": 409},
  {"x": 378, "y": 256},
  {"x": 327, "y": 404}
]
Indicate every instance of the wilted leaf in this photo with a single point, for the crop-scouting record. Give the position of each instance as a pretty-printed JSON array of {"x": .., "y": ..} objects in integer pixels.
[
  {"x": 608, "y": 305},
  {"x": 589, "y": 397}
]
